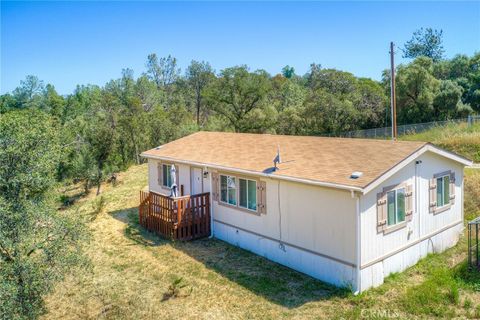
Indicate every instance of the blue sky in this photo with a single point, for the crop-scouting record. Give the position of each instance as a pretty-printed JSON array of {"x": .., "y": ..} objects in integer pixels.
[{"x": 70, "y": 43}]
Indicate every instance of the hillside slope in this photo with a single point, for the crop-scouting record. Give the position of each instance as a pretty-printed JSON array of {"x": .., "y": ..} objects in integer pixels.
[
  {"x": 459, "y": 138},
  {"x": 135, "y": 275}
]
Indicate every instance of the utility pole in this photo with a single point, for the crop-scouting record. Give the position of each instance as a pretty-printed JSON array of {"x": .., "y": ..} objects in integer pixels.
[{"x": 393, "y": 100}]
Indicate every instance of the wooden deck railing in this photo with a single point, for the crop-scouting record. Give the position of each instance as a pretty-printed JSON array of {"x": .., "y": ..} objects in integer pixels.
[{"x": 181, "y": 218}]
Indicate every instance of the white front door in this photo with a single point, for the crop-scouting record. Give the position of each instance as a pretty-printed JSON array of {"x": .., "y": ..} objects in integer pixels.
[{"x": 197, "y": 181}]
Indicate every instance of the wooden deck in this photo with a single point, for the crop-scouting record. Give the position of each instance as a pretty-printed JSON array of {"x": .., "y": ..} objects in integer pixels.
[{"x": 181, "y": 218}]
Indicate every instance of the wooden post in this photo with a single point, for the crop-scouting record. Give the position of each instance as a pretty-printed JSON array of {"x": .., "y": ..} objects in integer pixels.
[
  {"x": 179, "y": 210},
  {"x": 393, "y": 101}
]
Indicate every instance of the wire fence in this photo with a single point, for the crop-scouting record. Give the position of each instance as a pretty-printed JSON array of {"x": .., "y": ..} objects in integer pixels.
[{"x": 386, "y": 132}]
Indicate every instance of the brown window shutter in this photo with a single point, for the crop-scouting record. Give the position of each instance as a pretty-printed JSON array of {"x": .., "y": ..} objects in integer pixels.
[
  {"x": 409, "y": 202},
  {"x": 263, "y": 190},
  {"x": 215, "y": 186},
  {"x": 262, "y": 197},
  {"x": 452, "y": 187},
  {"x": 160, "y": 173},
  {"x": 381, "y": 211},
  {"x": 433, "y": 195},
  {"x": 259, "y": 197}
]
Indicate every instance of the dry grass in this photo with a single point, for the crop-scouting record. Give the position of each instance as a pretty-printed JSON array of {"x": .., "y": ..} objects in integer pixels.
[
  {"x": 133, "y": 272},
  {"x": 459, "y": 138},
  {"x": 472, "y": 189}
]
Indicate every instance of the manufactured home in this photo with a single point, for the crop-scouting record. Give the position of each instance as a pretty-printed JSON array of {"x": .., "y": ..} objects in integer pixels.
[{"x": 346, "y": 211}]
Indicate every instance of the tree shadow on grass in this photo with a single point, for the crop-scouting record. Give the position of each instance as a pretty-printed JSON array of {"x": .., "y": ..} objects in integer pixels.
[
  {"x": 134, "y": 231},
  {"x": 274, "y": 282},
  {"x": 69, "y": 199}
]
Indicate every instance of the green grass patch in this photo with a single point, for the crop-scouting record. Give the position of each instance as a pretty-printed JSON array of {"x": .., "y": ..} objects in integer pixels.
[
  {"x": 435, "y": 296},
  {"x": 466, "y": 277}
]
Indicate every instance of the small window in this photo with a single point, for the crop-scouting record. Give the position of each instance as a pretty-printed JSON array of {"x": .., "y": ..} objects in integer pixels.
[
  {"x": 395, "y": 206},
  {"x": 228, "y": 190},
  {"x": 167, "y": 175},
  {"x": 443, "y": 191},
  {"x": 248, "y": 194}
]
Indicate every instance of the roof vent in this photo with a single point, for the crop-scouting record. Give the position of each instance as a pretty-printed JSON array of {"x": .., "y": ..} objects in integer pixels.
[
  {"x": 158, "y": 148},
  {"x": 356, "y": 175},
  {"x": 277, "y": 159}
]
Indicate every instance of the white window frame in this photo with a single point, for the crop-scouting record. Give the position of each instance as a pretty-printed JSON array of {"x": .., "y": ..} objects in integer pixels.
[
  {"x": 240, "y": 190},
  {"x": 237, "y": 193},
  {"x": 164, "y": 182},
  {"x": 396, "y": 207},
  {"x": 445, "y": 203},
  {"x": 228, "y": 189}
]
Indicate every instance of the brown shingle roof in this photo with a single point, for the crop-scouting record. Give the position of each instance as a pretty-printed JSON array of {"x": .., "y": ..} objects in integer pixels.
[{"x": 328, "y": 160}]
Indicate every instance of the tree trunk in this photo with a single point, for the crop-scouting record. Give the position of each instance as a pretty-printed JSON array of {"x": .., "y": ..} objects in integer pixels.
[
  {"x": 122, "y": 151},
  {"x": 137, "y": 153},
  {"x": 87, "y": 184},
  {"x": 135, "y": 146},
  {"x": 198, "y": 115},
  {"x": 99, "y": 182},
  {"x": 198, "y": 109},
  {"x": 98, "y": 187}
]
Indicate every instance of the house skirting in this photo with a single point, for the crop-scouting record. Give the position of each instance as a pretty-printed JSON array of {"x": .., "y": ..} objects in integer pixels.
[
  {"x": 373, "y": 274},
  {"x": 328, "y": 269}
]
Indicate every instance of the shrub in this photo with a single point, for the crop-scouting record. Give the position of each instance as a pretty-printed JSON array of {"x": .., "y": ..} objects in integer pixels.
[
  {"x": 38, "y": 244},
  {"x": 453, "y": 294},
  {"x": 66, "y": 200},
  {"x": 97, "y": 207},
  {"x": 477, "y": 311},
  {"x": 467, "y": 303},
  {"x": 175, "y": 288}
]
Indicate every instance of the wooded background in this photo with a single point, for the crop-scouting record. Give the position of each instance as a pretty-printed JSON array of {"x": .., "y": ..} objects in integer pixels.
[
  {"x": 104, "y": 129},
  {"x": 86, "y": 137}
]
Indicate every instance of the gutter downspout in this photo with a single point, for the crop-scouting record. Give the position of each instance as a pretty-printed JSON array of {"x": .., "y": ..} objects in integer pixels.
[
  {"x": 358, "y": 242},
  {"x": 211, "y": 204},
  {"x": 417, "y": 198}
]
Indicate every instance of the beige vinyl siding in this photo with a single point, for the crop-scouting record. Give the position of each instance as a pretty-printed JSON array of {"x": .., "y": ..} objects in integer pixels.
[
  {"x": 310, "y": 217},
  {"x": 155, "y": 183},
  {"x": 376, "y": 244},
  {"x": 215, "y": 186}
]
